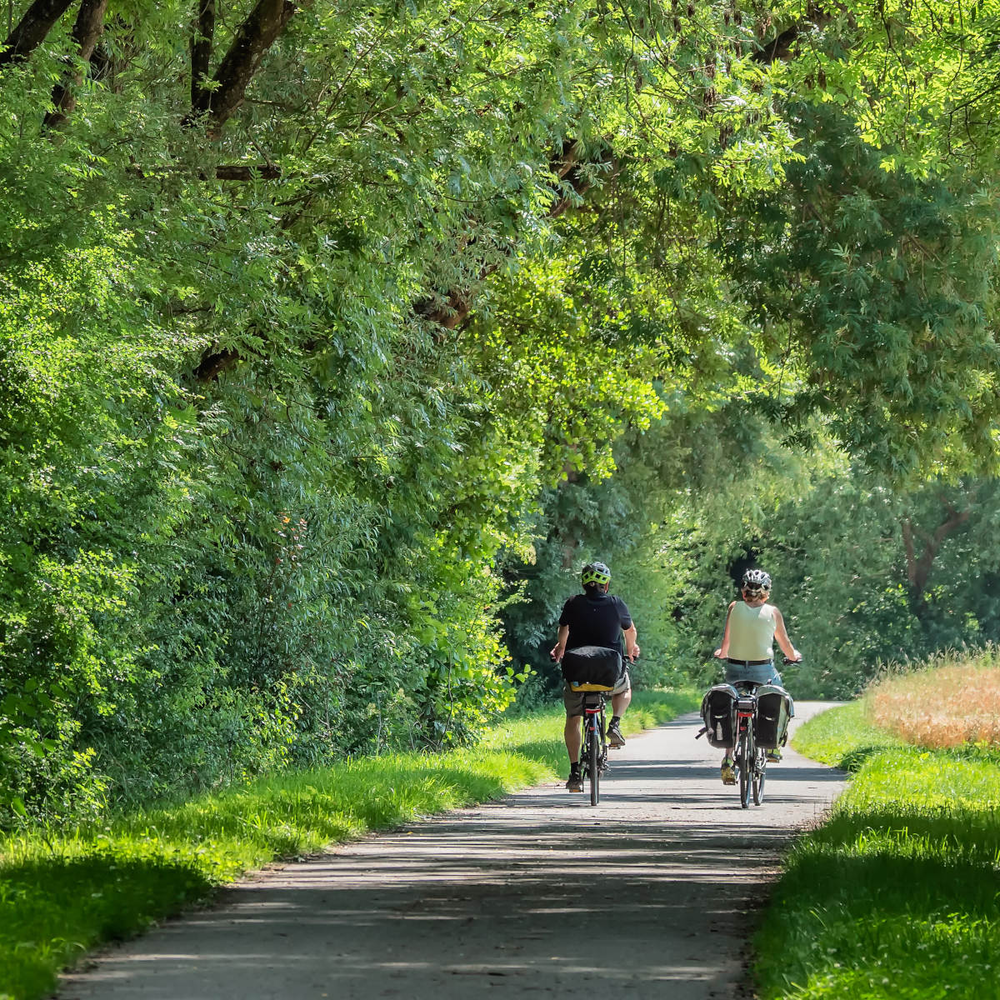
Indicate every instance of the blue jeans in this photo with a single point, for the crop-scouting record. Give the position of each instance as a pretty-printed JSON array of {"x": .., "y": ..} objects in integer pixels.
[{"x": 758, "y": 673}]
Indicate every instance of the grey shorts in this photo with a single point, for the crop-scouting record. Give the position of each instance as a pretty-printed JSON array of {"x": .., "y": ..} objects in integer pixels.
[{"x": 573, "y": 700}]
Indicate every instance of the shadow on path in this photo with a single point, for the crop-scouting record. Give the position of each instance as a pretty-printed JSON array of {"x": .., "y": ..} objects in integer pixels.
[{"x": 645, "y": 896}]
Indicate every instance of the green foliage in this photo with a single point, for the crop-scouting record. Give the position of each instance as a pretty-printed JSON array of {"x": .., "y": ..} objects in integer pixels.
[
  {"x": 922, "y": 77},
  {"x": 306, "y": 388},
  {"x": 886, "y": 327}
]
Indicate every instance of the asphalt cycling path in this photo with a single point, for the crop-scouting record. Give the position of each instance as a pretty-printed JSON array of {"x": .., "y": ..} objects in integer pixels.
[{"x": 651, "y": 894}]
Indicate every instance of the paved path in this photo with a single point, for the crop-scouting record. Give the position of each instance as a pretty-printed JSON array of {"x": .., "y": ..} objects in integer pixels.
[{"x": 649, "y": 895}]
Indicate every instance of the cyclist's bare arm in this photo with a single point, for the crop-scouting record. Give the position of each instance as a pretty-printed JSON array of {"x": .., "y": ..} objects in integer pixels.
[
  {"x": 560, "y": 647},
  {"x": 631, "y": 646},
  {"x": 723, "y": 651},
  {"x": 782, "y": 636}
]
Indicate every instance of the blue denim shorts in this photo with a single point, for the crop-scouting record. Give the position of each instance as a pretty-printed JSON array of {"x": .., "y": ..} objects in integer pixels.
[{"x": 758, "y": 673}]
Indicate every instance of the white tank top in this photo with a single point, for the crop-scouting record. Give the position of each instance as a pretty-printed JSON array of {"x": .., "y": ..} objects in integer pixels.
[{"x": 751, "y": 632}]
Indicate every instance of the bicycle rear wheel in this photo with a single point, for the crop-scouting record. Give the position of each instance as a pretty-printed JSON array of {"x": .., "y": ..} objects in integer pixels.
[{"x": 594, "y": 760}]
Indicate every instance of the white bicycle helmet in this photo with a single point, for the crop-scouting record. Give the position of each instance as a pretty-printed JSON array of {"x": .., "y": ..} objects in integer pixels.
[{"x": 756, "y": 581}]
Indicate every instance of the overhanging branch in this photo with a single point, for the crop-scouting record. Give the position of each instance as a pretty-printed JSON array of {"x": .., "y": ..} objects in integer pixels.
[{"x": 31, "y": 30}]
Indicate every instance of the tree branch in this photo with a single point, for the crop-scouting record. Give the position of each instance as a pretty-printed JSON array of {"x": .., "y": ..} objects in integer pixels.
[
  {"x": 32, "y": 29},
  {"x": 567, "y": 169},
  {"x": 780, "y": 47},
  {"x": 918, "y": 570},
  {"x": 214, "y": 363},
  {"x": 87, "y": 33},
  {"x": 451, "y": 308},
  {"x": 255, "y": 36},
  {"x": 252, "y": 172},
  {"x": 223, "y": 172}
]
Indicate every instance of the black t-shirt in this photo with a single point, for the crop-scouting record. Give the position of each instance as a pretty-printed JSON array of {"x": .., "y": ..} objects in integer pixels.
[{"x": 596, "y": 620}]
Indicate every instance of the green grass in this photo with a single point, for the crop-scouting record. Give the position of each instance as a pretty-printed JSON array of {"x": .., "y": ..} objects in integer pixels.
[
  {"x": 842, "y": 738},
  {"x": 63, "y": 892},
  {"x": 897, "y": 896}
]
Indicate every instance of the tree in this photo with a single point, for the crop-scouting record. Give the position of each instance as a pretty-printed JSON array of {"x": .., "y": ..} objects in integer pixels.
[{"x": 316, "y": 319}]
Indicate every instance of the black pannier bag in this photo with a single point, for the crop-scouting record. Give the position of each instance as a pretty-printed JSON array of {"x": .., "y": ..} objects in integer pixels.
[
  {"x": 774, "y": 709},
  {"x": 718, "y": 711},
  {"x": 593, "y": 665}
]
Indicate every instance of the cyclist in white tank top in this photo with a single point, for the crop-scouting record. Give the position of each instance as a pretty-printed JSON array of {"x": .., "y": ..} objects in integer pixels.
[{"x": 752, "y": 625}]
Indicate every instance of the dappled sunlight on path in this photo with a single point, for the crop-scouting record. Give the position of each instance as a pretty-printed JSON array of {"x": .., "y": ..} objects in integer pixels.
[{"x": 537, "y": 894}]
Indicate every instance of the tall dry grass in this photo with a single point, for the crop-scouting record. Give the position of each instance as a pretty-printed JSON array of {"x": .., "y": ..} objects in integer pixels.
[{"x": 954, "y": 701}]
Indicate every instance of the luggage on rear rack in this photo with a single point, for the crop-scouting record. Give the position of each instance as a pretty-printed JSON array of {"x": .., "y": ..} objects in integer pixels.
[
  {"x": 774, "y": 708},
  {"x": 718, "y": 711},
  {"x": 593, "y": 665}
]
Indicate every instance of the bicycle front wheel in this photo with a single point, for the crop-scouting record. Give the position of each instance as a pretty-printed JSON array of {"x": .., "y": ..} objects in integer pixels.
[
  {"x": 594, "y": 760},
  {"x": 759, "y": 774},
  {"x": 745, "y": 762}
]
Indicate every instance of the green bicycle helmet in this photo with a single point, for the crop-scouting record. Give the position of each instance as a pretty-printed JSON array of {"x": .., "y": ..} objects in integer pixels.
[{"x": 595, "y": 573}]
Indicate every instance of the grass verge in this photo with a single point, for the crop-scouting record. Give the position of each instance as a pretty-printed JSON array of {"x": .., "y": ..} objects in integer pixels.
[
  {"x": 64, "y": 892},
  {"x": 897, "y": 895}
]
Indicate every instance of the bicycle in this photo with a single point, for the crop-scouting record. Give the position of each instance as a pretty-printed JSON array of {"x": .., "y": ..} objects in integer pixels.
[
  {"x": 594, "y": 758},
  {"x": 750, "y": 761}
]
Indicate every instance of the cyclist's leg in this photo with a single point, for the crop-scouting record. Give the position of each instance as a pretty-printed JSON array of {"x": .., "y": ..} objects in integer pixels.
[
  {"x": 621, "y": 697},
  {"x": 573, "y": 736}
]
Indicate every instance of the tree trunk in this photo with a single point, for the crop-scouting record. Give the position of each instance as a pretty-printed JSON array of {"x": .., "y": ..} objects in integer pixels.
[
  {"x": 32, "y": 29},
  {"x": 201, "y": 55},
  {"x": 918, "y": 567}
]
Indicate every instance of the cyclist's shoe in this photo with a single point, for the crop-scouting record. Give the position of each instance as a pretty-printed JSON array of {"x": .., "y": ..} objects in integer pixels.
[
  {"x": 575, "y": 781},
  {"x": 774, "y": 756},
  {"x": 728, "y": 772},
  {"x": 615, "y": 738}
]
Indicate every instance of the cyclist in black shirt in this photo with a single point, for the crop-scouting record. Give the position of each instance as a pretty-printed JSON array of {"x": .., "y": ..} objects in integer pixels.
[{"x": 594, "y": 618}]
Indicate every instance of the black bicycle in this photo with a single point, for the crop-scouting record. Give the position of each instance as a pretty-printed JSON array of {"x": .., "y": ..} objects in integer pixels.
[
  {"x": 749, "y": 759},
  {"x": 594, "y": 758}
]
